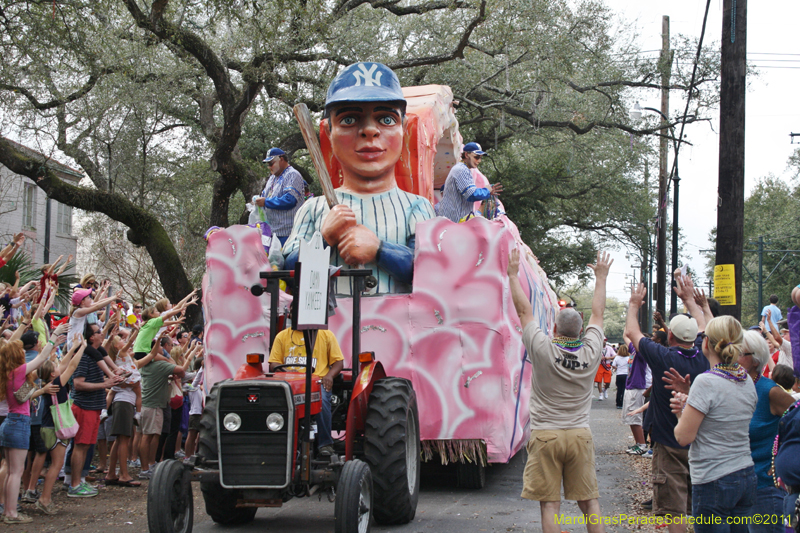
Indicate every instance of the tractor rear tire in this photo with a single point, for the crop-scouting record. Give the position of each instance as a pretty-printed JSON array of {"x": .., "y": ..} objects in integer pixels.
[
  {"x": 169, "y": 499},
  {"x": 220, "y": 502},
  {"x": 470, "y": 475},
  {"x": 392, "y": 450},
  {"x": 354, "y": 499}
]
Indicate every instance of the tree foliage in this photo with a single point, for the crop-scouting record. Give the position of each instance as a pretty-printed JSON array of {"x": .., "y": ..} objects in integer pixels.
[{"x": 169, "y": 106}]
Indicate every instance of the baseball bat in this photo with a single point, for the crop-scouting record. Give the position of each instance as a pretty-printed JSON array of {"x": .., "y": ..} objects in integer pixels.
[{"x": 310, "y": 136}]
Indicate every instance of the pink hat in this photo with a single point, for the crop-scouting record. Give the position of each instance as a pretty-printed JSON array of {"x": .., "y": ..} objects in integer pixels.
[{"x": 79, "y": 295}]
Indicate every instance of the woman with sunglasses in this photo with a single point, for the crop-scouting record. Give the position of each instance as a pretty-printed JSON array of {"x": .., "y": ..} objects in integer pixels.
[
  {"x": 714, "y": 418},
  {"x": 459, "y": 192},
  {"x": 772, "y": 402}
]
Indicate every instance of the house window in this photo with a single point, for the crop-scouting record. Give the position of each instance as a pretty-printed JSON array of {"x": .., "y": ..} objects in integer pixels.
[
  {"x": 29, "y": 207},
  {"x": 64, "y": 219}
]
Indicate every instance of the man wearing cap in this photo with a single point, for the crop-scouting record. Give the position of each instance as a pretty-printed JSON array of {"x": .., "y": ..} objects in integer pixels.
[
  {"x": 670, "y": 468},
  {"x": 283, "y": 194},
  {"x": 375, "y": 222},
  {"x": 459, "y": 191}
]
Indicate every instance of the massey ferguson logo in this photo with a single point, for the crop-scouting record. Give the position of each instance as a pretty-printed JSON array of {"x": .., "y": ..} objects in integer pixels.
[
  {"x": 253, "y": 398},
  {"x": 300, "y": 399}
]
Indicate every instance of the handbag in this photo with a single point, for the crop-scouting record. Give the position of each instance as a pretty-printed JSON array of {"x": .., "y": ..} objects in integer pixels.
[
  {"x": 175, "y": 395},
  {"x": 63, "y": 419},
  {"x": 24, "y": 392}
]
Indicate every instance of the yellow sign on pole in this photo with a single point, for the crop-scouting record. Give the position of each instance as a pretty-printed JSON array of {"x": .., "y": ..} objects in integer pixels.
[{"x": 725, "y": 284}]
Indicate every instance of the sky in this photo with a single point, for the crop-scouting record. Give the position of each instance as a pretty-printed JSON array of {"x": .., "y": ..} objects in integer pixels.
[{"x": 771, "y": 108}]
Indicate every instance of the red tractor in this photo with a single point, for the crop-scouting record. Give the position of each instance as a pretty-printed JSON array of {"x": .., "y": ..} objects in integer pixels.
[{"x": 256, "y": 445}]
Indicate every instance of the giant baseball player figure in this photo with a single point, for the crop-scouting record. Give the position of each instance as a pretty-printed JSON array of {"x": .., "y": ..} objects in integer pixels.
[{"x": 375, "y": 222}]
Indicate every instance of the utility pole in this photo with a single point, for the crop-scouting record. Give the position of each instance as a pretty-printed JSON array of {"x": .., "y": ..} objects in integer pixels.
[
  {"x": 665, "y": 64},
  {"x": 730, "y": 191},
  {"x": 760, "y": 272}
]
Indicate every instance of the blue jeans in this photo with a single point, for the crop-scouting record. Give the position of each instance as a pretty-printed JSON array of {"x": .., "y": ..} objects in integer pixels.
[
  {"x": 769, "y": 503},
  {"x": 728, "y": 500},
  {"x": 324, "y": 420},
  {"x": 15, "y": 432},
  {"x": 789, "y": 502}
]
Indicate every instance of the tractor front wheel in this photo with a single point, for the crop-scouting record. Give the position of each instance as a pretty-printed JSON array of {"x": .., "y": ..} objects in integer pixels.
[
  {"x": 354, "y": 498},
  {"x": 392, "y": 449},
  {"x": 169, "y": 499}
]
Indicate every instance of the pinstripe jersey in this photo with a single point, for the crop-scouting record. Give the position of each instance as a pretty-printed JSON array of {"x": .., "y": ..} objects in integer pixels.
[
  {"x": 392, "y": 215},
  {"x": 457, "y": 188},
  {"x": 290, "y": 180}
]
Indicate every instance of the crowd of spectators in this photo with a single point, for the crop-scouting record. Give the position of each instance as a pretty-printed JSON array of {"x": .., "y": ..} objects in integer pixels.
[{"x": 127, "y": 374}]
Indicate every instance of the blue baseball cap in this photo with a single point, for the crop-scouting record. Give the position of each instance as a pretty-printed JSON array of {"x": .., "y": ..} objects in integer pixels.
[
  {"x": 474, "y": 148},
  {"x": 273, "y": 153},
  {"x": 365, "y": 82}
]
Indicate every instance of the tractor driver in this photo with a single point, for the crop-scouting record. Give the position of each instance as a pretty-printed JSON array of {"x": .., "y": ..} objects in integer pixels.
[
  {"x": 289, "y": 348},
  {"x": 375, "y": 222}
]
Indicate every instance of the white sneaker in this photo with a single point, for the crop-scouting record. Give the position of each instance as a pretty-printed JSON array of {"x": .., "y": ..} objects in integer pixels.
[{"x": 605, "y": 395}]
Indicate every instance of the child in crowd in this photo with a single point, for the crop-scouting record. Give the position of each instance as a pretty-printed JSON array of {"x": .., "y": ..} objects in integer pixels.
[{"x": 154, "y": 321}]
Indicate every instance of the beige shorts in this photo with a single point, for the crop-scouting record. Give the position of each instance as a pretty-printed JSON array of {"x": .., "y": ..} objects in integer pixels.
[
  {"x": 671, "y": 481},
  {"x": 560, "y": 454},
  {"x": 634, "y": 399},
  {"x": 152, "y": 420}
]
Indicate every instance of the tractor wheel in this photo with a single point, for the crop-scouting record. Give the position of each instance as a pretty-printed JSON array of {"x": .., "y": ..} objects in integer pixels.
[
  {"x": 220, "y": 502},
  {"x": 354, "y": 499},
  {"x": 392, "y": 450},
  {"x": 169, "y": 499},
  {"x": 470, "y": 475}
]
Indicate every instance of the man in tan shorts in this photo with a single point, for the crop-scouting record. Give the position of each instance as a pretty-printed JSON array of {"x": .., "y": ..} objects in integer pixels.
[{"x": 564, "y": 366}]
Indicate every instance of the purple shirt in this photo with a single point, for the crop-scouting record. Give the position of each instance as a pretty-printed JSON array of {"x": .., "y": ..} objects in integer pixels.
[{"x": 637, "y": 371}]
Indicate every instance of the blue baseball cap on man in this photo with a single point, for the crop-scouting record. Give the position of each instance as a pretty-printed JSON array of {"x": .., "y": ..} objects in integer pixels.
[
  {"x": 474, "y": 148},
  {"x": 364, "y": 82},
  {"x": 273, "y": 153}
]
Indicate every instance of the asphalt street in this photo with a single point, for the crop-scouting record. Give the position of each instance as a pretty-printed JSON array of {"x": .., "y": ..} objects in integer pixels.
[{"x": 497, "y": 507}]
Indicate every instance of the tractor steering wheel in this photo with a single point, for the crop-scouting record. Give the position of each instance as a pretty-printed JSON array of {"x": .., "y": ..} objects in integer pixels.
[{"x": 283, "y": 368}]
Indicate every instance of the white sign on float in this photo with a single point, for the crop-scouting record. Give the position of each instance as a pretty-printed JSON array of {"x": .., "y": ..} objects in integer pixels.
[{"x": 312, "y": 296}]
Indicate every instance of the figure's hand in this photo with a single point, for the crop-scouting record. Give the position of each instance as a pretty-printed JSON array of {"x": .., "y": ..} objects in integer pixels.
[
  {"x": 359, "y": 245},
  {"x": 337, "y": 222},
  {"x": 638, "y": 295},
  {"x": 674, "y": 381},
  {"x": 513, "y": 263},
  {"x": 260, "y": 201},
  {"x": 497, "y": 188},
  {"x": 602, "y": 266}
]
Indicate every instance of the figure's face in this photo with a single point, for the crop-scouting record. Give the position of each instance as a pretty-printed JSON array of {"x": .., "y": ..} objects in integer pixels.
[{"x": 367, "y": 139}]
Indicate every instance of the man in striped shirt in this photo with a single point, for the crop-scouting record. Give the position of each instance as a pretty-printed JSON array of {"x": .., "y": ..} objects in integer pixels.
[
  {"x": 375, "y": 222},
  {"x": 282, "y": 196},
  {"x": 460, "y": 191}
]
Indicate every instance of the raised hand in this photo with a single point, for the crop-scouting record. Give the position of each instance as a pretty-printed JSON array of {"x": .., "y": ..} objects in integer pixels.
[
  {"x": 603, "y": 264},
  {"x": 513, "y": 263},
  {"x": 674, "y": 381},
  {"x": 677, "y": 403},
  {"x": 638, "y": 295}
]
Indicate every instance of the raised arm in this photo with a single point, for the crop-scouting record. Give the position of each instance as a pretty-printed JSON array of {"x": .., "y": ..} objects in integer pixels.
[
  {"x": 73, "y": 363},
  {"x": 98, "y": 305},
  {"x": 601, "y": 269},
  {"x": 632, "y": 330},
  {"x": 773, "y": 329},
  {"x": 64, "y": 266},
  {"x": 521, "y": 303}
]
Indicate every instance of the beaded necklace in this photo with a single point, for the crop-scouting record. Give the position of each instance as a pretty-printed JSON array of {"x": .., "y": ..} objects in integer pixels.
[
  {"x": 733, "y": 372},
  {"x": 567, "y": 342},
  {"x": 775, "y": 445}
]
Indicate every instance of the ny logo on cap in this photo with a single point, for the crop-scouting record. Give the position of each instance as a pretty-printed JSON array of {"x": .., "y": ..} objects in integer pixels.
[{"x": 367, "y": 76}]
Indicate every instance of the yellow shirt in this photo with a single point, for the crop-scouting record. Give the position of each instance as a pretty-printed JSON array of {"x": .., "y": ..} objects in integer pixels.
[{"x": 290, "y": 349}]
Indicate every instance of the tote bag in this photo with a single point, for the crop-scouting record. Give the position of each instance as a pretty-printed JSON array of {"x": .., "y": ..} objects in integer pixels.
[
  {"x": 63, "y": 419},
  {"x": 175, "y": 395}
]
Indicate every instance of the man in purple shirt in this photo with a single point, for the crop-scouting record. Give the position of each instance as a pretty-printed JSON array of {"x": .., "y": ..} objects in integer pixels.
[{"x": 635, "y": 385}]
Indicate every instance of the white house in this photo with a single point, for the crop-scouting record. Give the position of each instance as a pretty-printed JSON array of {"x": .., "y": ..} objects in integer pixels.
[{"x": 47, "y": 224}]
